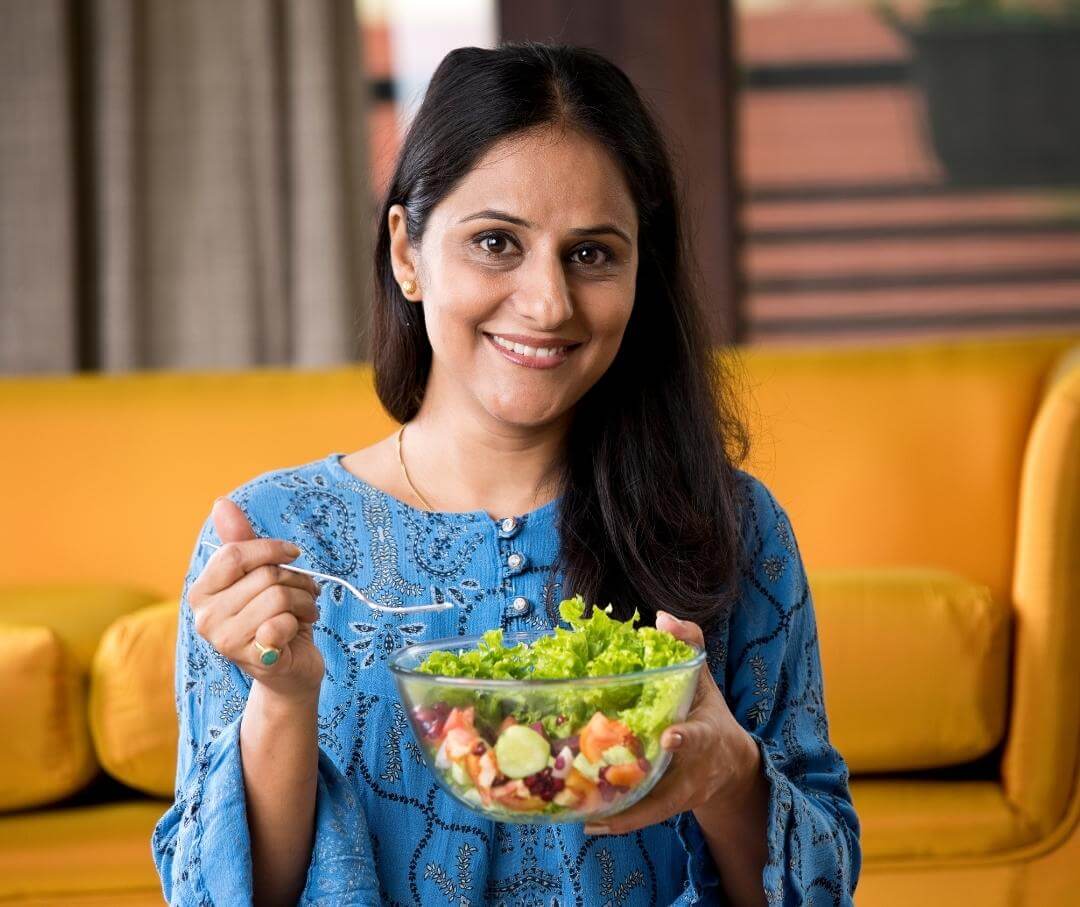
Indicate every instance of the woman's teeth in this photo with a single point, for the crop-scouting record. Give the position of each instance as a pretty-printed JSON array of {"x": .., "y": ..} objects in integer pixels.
[{"x": 527, "y": 350}]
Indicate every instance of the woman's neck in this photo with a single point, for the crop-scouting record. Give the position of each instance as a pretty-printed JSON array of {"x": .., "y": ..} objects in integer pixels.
[{"x": 459, "y": 463}]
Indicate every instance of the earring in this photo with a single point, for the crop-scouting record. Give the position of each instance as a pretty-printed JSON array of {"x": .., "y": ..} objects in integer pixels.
[{"x": 408, "y": 286}]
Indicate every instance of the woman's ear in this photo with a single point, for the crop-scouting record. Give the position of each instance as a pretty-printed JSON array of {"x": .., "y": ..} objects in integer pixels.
[{"x": 402, "y": 254}]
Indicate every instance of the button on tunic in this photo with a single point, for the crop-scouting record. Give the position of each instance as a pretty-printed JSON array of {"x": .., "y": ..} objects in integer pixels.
[{"x": 385, "y": 832}]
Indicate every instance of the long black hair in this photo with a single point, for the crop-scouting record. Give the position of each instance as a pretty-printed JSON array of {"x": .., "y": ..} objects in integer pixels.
[{"x": 649, "y": 516}]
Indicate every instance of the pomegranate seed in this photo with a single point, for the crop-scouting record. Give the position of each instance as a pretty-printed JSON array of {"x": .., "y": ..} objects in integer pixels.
[
  {"x": 478, "y": 750},
  {"x": 559, "y": 762}
]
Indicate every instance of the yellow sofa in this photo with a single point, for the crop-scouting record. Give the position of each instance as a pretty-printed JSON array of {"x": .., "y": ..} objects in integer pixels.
[{"x": 934, "y": 490}]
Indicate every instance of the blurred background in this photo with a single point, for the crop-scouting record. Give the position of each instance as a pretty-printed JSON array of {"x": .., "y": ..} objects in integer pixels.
[{"x": 190, "y": 185}]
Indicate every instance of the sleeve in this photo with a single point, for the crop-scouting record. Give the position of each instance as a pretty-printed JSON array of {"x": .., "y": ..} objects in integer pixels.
[
  {"x": 770, "y": 672},
  {"x": 201, "y": 846}
]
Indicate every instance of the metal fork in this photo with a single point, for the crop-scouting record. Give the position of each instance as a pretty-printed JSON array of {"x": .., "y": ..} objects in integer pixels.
[{"x": 434, "y": 606}]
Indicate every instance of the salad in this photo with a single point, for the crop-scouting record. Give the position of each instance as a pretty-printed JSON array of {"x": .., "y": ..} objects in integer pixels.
[{"x": 562, "y": 746}]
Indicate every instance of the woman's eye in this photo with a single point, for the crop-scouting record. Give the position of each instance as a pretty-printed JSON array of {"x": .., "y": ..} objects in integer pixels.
[
  {"x": 594, "y": 251},
  {"x": 492, "y": 243}
]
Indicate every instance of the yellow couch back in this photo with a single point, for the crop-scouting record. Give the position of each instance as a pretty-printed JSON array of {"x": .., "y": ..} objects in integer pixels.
[
  {"x": 897, "y": 456},
  {"x": 917, "y": 447}
]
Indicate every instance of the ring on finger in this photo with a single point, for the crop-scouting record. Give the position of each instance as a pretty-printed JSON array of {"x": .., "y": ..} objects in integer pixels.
[{"x": 267, "y": 654}]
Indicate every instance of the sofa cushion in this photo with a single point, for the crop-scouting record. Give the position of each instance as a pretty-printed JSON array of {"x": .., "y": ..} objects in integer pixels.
[
  {"x": 915, "y": 665},
  {"x": 47, "y": 754},
  {"x": 96, "y": 854},
  {"x": 78, "y": 612},
  {"x": 132, "y": 703},
  {"x": 925, "y": 819}
]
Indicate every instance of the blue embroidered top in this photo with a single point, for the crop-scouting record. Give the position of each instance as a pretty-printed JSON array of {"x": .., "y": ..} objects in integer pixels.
[{"x": 385, "y": 833}]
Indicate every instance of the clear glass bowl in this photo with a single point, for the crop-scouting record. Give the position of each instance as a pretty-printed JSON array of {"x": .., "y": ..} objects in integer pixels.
[{"x": 484, "y": 744}]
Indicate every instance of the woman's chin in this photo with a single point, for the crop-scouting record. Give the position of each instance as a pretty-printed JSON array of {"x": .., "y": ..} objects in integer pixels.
[{"x": 524, "y": 416}]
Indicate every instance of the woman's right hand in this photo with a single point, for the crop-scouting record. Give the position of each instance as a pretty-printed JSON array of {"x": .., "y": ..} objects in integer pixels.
[{"x": 242, "y": 595}]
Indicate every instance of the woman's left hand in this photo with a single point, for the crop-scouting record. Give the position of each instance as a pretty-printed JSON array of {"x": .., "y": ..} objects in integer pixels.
[{"x": 713, "y": 762}]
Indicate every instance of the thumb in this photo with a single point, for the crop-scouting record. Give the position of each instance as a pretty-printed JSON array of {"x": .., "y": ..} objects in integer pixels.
[
  {"x": 686, "y": 630},
  {"x": 230, "y": 522},
  {"x": 688, "y": 736}
]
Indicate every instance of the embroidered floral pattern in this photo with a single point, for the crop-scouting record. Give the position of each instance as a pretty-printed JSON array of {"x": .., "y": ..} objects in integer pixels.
[
  {"x": 378, "y": 640},
  {"x": 762, "y": 690},
  {"x": 773, "y": 567}
]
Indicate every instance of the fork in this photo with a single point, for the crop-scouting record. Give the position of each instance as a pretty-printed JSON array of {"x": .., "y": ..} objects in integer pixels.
[{"x": 434, "y": 606}]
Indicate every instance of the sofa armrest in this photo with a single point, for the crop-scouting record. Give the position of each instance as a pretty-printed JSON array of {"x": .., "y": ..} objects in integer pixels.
[{"x": 1041, "y": 755}]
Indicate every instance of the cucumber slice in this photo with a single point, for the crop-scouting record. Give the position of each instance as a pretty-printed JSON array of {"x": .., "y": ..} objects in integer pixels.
[
  {"x": 617, "y": 755},
  {"x": 589, "y": 769},
  {"x": 520, "y": 751},
  {"x": 460, "y": 776}
]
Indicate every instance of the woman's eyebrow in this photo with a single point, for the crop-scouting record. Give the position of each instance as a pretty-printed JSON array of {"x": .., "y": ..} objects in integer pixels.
[{"x": 595, "y": 230}]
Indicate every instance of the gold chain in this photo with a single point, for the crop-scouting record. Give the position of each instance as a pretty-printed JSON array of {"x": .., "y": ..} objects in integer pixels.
[{"x": 405, "y": 472}]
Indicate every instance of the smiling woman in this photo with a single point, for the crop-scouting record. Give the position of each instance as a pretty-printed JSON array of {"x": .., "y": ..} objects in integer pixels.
[
  {"x": 566, "y": 430},
  {"x": 534, "y": 207}
]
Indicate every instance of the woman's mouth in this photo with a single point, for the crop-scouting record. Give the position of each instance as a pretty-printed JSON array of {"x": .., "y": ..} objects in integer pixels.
[{"x": 531, "y": 357}]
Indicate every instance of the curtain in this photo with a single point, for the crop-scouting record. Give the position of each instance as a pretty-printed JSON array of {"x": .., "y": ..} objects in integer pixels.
[{"x": 183, "y": 184}]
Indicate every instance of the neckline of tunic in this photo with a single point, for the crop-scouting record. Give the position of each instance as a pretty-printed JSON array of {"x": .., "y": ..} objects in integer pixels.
[{"x": 542, "y": 513}]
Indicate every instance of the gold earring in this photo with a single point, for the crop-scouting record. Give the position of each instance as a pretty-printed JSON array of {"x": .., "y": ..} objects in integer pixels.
[{"x": 408, "y": 286}]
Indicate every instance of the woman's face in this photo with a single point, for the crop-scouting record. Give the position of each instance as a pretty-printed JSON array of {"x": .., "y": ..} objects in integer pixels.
[{"x": 538, "y": 244}]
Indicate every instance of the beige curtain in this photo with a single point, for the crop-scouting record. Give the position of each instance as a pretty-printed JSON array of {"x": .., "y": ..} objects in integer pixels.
[{"x": 183, "y": 184}]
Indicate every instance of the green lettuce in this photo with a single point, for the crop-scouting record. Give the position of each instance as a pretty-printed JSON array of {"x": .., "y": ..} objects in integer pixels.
[{"x": 594, "y": 646}]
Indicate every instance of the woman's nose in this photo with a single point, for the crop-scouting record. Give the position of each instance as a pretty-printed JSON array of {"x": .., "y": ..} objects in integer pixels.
[{"x": 543, "y": 297}]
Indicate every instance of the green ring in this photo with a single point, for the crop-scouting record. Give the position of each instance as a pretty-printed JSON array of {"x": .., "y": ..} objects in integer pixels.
[{"x": 269, "y": 657}]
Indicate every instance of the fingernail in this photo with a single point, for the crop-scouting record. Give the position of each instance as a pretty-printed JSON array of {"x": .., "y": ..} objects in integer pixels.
[
  {"x": 597, "y": 829},
  {"x": 674, "y": 740},
  {"x": 292, "y": 550}
]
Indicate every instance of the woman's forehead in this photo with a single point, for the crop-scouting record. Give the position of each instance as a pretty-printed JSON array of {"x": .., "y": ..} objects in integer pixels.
[{"x": 566, "y": 180}]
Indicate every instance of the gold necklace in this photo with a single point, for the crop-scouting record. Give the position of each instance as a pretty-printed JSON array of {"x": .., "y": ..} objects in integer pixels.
[{"x": 405, "y": 472}]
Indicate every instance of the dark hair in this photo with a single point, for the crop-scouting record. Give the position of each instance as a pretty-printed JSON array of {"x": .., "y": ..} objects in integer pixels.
[{"x": 649, "y": 516}]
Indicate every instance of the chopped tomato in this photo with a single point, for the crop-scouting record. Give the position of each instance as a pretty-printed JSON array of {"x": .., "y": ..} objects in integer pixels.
[
  {"x": 600, "y": 733},
  {"x": 588, "y": 792},
  {"x": 629, "y": 774},
  {"x": 459, "y": 742},
  {"x": 460, "y": 718},
  {"x": 482, "y": 769}
]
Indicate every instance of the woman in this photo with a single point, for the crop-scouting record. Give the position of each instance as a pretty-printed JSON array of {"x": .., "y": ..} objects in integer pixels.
[{"x": 565, "y": 429}]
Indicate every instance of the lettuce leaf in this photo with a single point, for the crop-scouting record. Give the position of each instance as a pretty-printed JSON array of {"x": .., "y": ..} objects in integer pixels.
[{"x": 597, "y": 645}]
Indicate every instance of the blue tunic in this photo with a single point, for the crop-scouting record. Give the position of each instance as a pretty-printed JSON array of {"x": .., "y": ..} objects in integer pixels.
[{"x": 385, "y": 832}]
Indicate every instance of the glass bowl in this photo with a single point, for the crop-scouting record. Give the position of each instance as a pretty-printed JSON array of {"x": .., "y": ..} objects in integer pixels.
[{"x": 543, "y": 750}]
